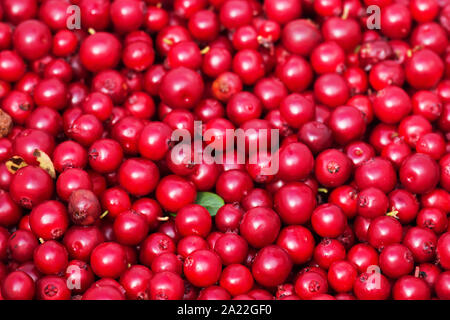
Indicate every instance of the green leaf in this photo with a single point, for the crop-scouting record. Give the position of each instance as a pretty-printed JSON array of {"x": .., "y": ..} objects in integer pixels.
[{"x": 210, "y": 201}]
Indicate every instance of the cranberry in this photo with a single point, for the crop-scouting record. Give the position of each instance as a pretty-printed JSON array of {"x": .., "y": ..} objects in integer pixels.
[
  {"x": 422, "y": 243},
  {"x": 166, "y": 286},
  {"x": 442, "y": 250},
  {"x": 18, "y": 286},
  {"x": 260, "y": 226},
  {"x": 412, "y": 173},
  {"x": 80, "y": 241},
  {"x": 333, "y": 168},
  {"x": 138, "y": 176},
  {"x": 30, "y": 186},
  {"x": 300, "y": 37},
  {"x": 424, "y": 69},
  {"x": 49, "y": 220},
  {"x": 442, "y": 286},
  {"x": 235, "y": 13},
  {"x": 310, "y": 284},
  {"x": 108, "y": 259},
  {"x": 51, "y": 258},
  {"x": 202, "y": 268},
  {"x": 383, "y": 231},
  {"x": 10, "y": 212},
  {"x": 298, "y": 243},
  {"x": 155, "y": 245},
  {"x": 32, "y": 39},
  {"x": 372, "y": 286},
  {"x": 271, "y": 266},
  {"x": 294, "y": 203},
  {"x": 295, "y": 162},
  {"x": 21, "y": 245},
  {"x": 342, "y": 276},
  {"x": 295, "y": 73},
  {"x": 372, "y": 203},
  {"x": 411, "y": 288},
  {"x": 376, "y": 172}
]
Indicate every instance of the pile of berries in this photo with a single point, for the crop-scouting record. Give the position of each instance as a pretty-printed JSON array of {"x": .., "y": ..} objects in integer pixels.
[{"x": 96, "y": 204}]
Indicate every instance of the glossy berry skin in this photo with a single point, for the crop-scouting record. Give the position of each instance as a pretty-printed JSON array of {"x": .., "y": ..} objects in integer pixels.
[
  {"x": 419, "y": 173},
  {"x": 424, "y": 69},
  {"x": 18, "y": 286},
  {"x": 80, "y": 241},
  {"x": 181, "y": 88},
  {"x": 193, "y": 219},
  {"x": 295, "y": 202},
  {"x": 100, "y": 51},
  {"x": 231, "y": 248},
  {"x": 10, "y": 212},
  {"x": 130, "y": 228},
  {"x": 372, "y": 203},
  {"x": 30, "y": 186},
  {"x": 297, "y": 110},
  {"x": 166, "y": 286},
  {"x": 376, "y": 172},
  {"x": 236, "y": 279},
  {"x": 443, "y": 251},
  {"x": 331, "y": 90},
  {"x": 341, "y": 276},
  {"x": 138, "y": 176},
  {"x": 49, "y": 220},
  {"x": 21, "y": 245},
  {"x": 174, "y": 192},
  {"x": 260, "y": 226},
  {"x": 233, "y": 185},
  {"x": 411, "y": 288},
  {"x": 422, "y": 243},
  {"x": 328, "y": 251},
  {"x": 136, "y": 281},
  {"x": 155, "y": 245},
  {"x": 300, "y": 37},
  {"x": 26, "y": 143},
  {"x": 332, "y": 168},
  {"x": 108, "y": 260},
  {"x": 442, "y": 286},
  {"x": 433, "y": 219},
  {"x": 372, "y": 286},
  {"x": 70, "y": 180},
  {"x": 33, "y": 39},
  {"x": 396, "y": 260},
  {"x": 347, "y": 124},
  {"x": 51, "y": 258},
  {"x": 79, "y": 276},
  {"x": 202, "y": 268},
  {"x": 235, "y": 13},
  {"x": 52, "y": 288},
  {"x": 228, "y": 217},
  {"x": 391, "y": 104},
  {"x": 298, "y": 242},
  {"x": 328, "y": 220},
  {"x": 309, "y": 284},
  {"x": 383, "y": 231},
  {"x": 346, "y": 198},
  {"x": 295, "y": 162},
  {"x": 271, "y": 266}
]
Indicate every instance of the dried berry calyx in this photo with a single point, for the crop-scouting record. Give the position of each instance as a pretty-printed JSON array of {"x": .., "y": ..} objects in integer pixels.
[{"x": 6, "y": 124}]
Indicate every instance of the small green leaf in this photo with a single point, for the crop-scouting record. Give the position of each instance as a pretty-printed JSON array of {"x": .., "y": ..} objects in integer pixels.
[
  {"x": 172, "y": 214},
  {"x": 210, "y": 201}
]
